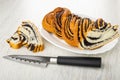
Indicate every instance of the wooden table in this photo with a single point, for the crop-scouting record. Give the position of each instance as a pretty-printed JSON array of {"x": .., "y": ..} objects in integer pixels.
[{"x": 13, "y": 12}]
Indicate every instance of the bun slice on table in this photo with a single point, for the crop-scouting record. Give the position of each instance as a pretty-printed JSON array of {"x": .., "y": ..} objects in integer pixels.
[{"x": 27, "y": 35}]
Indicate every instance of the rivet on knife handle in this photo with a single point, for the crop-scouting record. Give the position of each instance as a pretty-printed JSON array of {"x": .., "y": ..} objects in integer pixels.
[{"x": 80, "y": 61}]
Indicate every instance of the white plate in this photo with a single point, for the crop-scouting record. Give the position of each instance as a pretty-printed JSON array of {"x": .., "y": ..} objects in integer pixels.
[{"x": 61, "y": 44}]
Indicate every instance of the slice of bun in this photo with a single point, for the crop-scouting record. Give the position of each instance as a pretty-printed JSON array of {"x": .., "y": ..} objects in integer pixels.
[{"x": 27, "y": 35}]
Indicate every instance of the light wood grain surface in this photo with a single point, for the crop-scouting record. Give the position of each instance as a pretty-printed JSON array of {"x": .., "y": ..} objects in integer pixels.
[{"x": 12, "y": 12}]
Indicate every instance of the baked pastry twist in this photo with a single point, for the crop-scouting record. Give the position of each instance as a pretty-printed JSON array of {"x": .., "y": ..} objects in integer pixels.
[
  {"x": 79, "y": 31},
  {"x": 27, "y": 35}
]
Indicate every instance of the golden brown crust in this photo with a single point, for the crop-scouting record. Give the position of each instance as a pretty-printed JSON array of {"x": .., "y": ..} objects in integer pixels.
[
  {"x": 48, "y": 22},
  {"x": 15, "y": 46}
]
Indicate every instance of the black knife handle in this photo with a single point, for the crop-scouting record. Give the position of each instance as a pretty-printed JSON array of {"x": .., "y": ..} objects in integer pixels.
[{"x": 80, "y": 61}]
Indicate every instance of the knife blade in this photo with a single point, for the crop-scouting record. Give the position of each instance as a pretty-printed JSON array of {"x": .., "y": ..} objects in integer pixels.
[{"x": 61, "y": 60}]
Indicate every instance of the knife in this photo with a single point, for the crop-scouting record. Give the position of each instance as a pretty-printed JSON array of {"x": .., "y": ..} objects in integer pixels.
[{"x": 61, "y": 60}]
